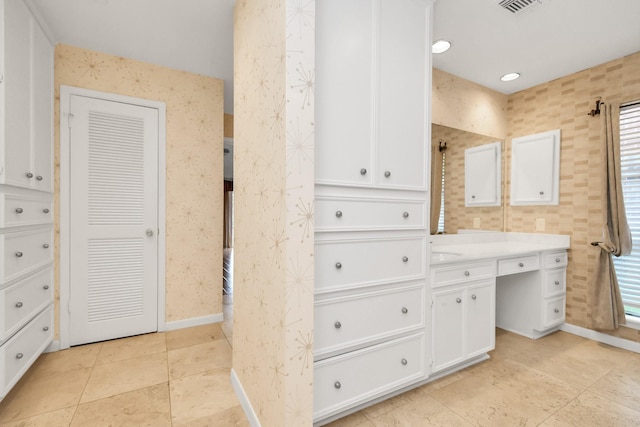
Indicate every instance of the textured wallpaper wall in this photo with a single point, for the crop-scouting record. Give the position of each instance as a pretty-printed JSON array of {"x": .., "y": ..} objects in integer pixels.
[
  {"x": 194, "y": 167},
  {"x": 563, "y": 104},
  {"x": 274, "y": 191}
]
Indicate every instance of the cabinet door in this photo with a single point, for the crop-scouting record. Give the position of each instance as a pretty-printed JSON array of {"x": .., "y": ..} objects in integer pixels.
[
  {"x": 482, "y": 177},
  {"x": 448, "y": 328},
  {"x": 344, "y": 92},
  {"x": 481, "y": 318},
  {"x": 42, "y": 79},
  {"x": 535, "y": 169},
  {"x": 16, "y": 150},
  {"x": 403, "y": 120}
]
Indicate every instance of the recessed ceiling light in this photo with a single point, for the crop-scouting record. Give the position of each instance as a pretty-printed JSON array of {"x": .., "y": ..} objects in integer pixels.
[
  {"x": 509, "y": 76},
  {"x": 440, "y": 46}
]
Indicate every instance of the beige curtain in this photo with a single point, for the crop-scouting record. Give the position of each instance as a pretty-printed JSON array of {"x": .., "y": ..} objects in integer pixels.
[
  {"x": 436, "y": 186},
  {"x": 607, "y": 309}
]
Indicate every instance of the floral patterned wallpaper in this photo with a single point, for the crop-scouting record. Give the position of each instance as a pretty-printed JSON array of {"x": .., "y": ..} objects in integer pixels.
[
  {"x": 194, "y": 170},
  {"x": 274, "y": 191}
]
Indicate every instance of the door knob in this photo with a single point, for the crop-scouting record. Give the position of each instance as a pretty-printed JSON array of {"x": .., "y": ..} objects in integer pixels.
[{"x": 149, "y": 232}]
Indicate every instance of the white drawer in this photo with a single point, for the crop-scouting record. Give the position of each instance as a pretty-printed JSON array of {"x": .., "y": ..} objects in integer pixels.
[
  {"x": 23, "y": 300},
  {"x": 24, "y": 252},
  {"x": 556, "y": 259},
  {"x": 443, "y": 276},
  {"x": 19, "y": 353},
  {"x": 353, "y": 263},
  {"x": 553, "y": 312},
  {"x": 17, "y": 211},
  {"x": 518, "y": 265},
  {"x": 554, "y": 282},
  {"x": 351, "y": 321},
  {"x": 345, "y": 381},
  {"x": 368, "y": 214}
]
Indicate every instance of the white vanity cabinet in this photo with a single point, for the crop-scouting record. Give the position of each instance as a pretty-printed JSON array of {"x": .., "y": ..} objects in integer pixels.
[
  {"x": 373, "y": 65},
  {"x": 463, "y": 314},
  {"x": 26, "y": 192}
]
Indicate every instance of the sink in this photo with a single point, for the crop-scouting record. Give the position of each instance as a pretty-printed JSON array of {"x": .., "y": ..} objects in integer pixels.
[{"x": 444, "y": 256}]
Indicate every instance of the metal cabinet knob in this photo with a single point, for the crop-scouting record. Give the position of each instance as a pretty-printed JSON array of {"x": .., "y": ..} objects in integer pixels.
[
  {"x": 338, "y": 214},
  {"x": 19, "y": 356},
  {"x": 29, "y": 175},
  {"x": 557, "y": 259},
  {"x": 405, "y": 259},
  {"x": 521, "y": 264},
  {"x": 337, "y": 325},
  {"x": 473, "y": 196},
  {"x": 474, "y": 297},
  {"x": 46, "y": 328},
  {"x": 338, "y": 265},
  {"x": 556, "y": 310},
  {"x": 19, "y": 254},
  {"x": 405, "y": 310},
  {"x": 46, "y": 246},
  {"x": 363, "y": 171},
  {"x": 466, "y": 273},
  {"x": 19, "y": 305},
  {"x": 458, "y": 300},
  {"x": 557, "y": 282},
  {"x": 45, "y": 210},
  {"x": 39, "y": 178},
  {"x": 405, "y": 215},
  {"x": 541, "y": 193},
  {"x": 45, "y": 287},
  {"x": 149, "y": 232},
  {"x": 387, "y": 174},
  {"x": 404, "y": 361},
  {"x": 337, "y": 385},
  {"x": 19, "y": 210}
]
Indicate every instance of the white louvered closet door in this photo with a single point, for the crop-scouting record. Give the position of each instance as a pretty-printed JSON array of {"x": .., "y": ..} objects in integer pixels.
[{"x": 114, "y": 219}]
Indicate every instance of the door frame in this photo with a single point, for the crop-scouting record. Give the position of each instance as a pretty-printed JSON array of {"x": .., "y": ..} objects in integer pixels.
[{"x": 65, "y": 198}]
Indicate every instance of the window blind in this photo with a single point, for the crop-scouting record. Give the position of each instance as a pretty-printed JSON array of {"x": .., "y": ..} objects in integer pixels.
[
  {"x": 441, "y": 217},
  {"x": 628, "y": 266}
]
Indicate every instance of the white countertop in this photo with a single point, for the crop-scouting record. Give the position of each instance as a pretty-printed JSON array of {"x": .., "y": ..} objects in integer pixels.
[{"x": 449, "y": 248}]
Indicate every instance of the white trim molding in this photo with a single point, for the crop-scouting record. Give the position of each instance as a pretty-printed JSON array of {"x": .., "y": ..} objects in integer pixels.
[
  {"x": 65, "y": 225},
  {"x": 600, "y": 337},
  {"x": 194, "y": 321},
  {"x": 251, "y": 415}
]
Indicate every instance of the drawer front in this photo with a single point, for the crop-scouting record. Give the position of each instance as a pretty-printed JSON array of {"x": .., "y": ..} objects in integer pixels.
[
  {"x": 19, "y": 211},
  {"x": 20, "y": 302},
  {"x": 347, "y": 322},
  {"x": 23, "y": 349},
  {"x": 554, "y": 282},
  {"x": 443, "y": 276},
  {"x": 518, "y": 265},
  {"x": 345, "y": 381},
  {"x": 353, "y": 263},
  {"x": 26, "y": 251},
  {"x": 553, "y": 312},
  {"x": 556, "y": 259},
  {"x": 368, "y": 214}
]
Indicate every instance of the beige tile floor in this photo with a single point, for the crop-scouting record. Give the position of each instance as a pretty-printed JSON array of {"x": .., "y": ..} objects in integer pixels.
[{"x": 181, "y": 378}]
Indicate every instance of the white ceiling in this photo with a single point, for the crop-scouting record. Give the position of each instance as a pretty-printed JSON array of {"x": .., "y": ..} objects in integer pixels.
[{"x": 556, "y": 39}]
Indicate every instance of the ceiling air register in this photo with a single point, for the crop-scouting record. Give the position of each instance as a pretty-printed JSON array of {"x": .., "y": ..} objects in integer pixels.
[{"x": 519, "y": 6}]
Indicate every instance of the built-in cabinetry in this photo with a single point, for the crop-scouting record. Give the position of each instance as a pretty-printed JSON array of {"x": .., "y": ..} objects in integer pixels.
[
  {"x": 483, "y": 175},
  {"x": 372, "y": 133},
  {"x": 26, "y": 192}
]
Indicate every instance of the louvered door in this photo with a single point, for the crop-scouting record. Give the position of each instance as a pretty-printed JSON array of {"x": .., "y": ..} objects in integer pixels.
[{"x": 114, "y": 214}]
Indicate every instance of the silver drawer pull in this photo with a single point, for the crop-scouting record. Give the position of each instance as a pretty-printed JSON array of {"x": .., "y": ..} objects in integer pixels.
[
  {"x": 39, "y": 178},
  {"x": 474, "y": 297},
  {"x": 363, "y": 171},
  {"x": 405, "y": 215},
  {"x": 557, "y": 282},
  {"x": 45, "y": 210},
  {"x": 338, "y": 214},
  {"x": 337, "y": 385},
  {"x": 405, "y": 259},
  {"x": 338, "y": 265},
  {"x": 19, "y": 254},
  {"x": 19, "y": 356},
  {"x": 466, "y": 273},
  {"x": 19, "y": 210},
  {"x": 404, "y": 361},
  {"x": 557, "y": 259},
  {"x": 29, "y": 175},
  {"x": 46, "y": 328},
  {"x": 405, "y": 310},
  {"x": 19, "y": 304},
  {"x": 521, "y": 264},
  {"x": 46, "y": 246},
  {"x": 45, "y": 287},
  {"x": 541, "y": 193},
  {"x": 556, "y": 310},
  {"x": 387, "y": 174},
  {"x": 337, "y": 325},
  {"x": 458, "y": 300}
]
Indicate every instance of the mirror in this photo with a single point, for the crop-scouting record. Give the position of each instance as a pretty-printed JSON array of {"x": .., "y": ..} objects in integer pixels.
[{"x": 456, "y": 215}]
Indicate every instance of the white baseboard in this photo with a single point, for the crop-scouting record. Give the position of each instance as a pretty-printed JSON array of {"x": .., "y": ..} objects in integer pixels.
[
  {"x": 252, "y": 417},
  {"x": 54, "y": 346},
  {"x": 600, "y": 337},
  {"x": 194, "y": 321}
]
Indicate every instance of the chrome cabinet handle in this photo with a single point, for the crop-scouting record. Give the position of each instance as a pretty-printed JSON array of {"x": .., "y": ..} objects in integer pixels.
[
  {"x": 19, "y": 304},
  {"x": 458, "y": 300},
  {"x": 338, "y": 214},
  {"x": 46, "y": 328},
  {"x": 19, "y": 254},
  {"x": 363, "y": 171},
  {"x": 474, "y": 297},
  {"x": 405, "y": 259},
  {"x": 149, "y": 232},
  {"x": 521, "y": 264},
  {"x": 29, "y": 175},
  {"x": 19, "y": 356},
  {"x": 405, "y": 310},
  {"x": 46, "y": 246},
  {"x": 541, "y": 193},
  {"x": 338, "y": 265},
  {"x": 19, "y": 210},
  {"x": 45, "y": 210},
  {"x": 556, "y": 310},
  {"x": 404, "y": 361},
  {"x": 387, "y": 174},
  {"x": 39, "y": 178},
  {"x": 473, "y": 196},
  {"x": 337, "y": 385},
  {"x": 405, "y": 215},
  {"x": 45, "y": 287},
  {"x": 337, "y": 325},
  {"x": 557, "y": 282},
  {"x": 466, "y": 273},
  {"x": 557, "y": 259}
]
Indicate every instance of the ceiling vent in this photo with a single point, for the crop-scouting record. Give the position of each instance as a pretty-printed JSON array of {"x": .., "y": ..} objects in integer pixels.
[{"x": 517, "y": 7}]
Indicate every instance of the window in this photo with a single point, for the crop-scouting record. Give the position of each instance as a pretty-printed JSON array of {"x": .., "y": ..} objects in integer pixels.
[
  {"x": 628, "y": 267},
  {"x": 441, "y": 217}
]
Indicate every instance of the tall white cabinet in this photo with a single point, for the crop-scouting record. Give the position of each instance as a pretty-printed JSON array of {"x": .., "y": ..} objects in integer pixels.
[
  {"x": 26, "y": 192},
  {"x": 373, "y": 82}
]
